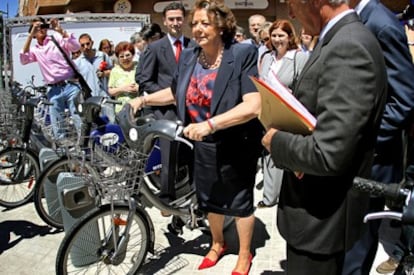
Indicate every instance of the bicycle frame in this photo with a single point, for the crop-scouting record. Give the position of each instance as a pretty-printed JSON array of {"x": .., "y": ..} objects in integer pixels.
[{"x": 140, "y": 135}]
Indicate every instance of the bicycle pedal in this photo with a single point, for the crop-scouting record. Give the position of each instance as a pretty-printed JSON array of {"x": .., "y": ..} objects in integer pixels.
[
  {"x": 174, "y": 230},
  {"x": 176, "y": 226}
]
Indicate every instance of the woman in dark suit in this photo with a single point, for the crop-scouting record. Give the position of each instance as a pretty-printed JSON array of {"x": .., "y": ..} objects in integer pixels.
[{"x": 219, "y": 104}]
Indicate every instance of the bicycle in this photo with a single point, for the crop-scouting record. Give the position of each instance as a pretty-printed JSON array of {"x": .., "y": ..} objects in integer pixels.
[
  {"x": 401, "y": 195},
  {"x": 11, "y": 117},
  {"x": 184, "y": 208},
  {"x": 45, "y": 196},
  {"x": 19, "y": 166},
  {"x": 114, "y": 245}
]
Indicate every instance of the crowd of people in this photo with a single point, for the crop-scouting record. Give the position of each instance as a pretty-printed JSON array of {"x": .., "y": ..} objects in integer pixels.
[{"x": 349, "y": 66}]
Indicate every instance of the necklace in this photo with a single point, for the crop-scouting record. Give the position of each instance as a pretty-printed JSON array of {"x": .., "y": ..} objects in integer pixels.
[{"x": 206, "y": 64}]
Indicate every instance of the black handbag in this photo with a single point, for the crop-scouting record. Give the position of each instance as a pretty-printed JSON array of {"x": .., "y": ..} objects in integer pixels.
[{"x": 86, "y": 90}]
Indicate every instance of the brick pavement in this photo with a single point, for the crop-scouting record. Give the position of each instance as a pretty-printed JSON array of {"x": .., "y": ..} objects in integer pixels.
[{"x": 28, "y": 246}]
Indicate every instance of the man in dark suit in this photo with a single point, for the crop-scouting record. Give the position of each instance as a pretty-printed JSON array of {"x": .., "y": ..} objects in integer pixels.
[
  {"x": 155, "y": 72},
  {"x": 343, "y": 85},
  {"x": 388, "y": 162}
]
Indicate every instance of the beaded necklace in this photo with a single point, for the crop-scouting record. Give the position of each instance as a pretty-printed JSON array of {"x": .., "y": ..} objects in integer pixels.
[{"x": 205, "y": 64}]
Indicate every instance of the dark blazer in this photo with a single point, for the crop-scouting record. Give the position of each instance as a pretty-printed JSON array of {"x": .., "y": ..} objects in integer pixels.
[
  {"x": 398, "y": 109},
  {"x": 343, "y": 85},
  {"x": 156, "y": 67},
  {"x": 238, "y": 62}
]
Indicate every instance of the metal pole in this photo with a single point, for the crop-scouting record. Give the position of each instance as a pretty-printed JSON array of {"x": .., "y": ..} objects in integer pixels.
[
  {"x": 2, "y": 46},
  {"x": 1, "y": 52}
]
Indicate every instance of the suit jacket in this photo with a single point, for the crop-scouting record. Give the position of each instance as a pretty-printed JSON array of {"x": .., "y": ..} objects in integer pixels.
[
  {"x": 156, "y": 67},
  {"x": 343, "y": 85},
  {"x": 398, "y": 109},
  {"x": 239, "y": 61}
]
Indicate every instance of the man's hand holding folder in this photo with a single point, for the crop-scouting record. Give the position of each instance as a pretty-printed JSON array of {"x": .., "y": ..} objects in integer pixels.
[{"x": 281, "y": 110}]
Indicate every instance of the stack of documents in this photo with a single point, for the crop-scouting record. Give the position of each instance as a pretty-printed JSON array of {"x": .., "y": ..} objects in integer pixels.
[{"x": 281, "y": 110}]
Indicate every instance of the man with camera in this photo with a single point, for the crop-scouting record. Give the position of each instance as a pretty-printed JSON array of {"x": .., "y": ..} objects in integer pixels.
[{"x": 57, "y": 73}]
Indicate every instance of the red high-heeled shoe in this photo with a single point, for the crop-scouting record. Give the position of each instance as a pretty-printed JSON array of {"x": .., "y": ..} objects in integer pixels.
[
  {"x": 248, "y": 270},
  {"x": 207, "y": 263}
]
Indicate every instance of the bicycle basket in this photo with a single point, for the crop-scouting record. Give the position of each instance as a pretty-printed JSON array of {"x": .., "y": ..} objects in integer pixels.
[
  {"x": 67, "y": 135},
  {"x": 119, "y": 169}
]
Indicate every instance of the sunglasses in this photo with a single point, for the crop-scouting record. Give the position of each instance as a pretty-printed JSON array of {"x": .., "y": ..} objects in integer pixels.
[
  {"x": 85, "y": 44},
  {"x": 126, "y": 56}
]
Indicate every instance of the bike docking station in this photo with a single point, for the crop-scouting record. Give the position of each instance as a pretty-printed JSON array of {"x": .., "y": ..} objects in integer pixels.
[
  {"x": 46, "y": 156},
  {"x": 75, "y": 201}
]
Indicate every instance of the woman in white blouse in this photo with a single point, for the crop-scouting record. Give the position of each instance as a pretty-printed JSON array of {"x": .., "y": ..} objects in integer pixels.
[
  {"x": 285, "y": 61},
  {"x": 285, "y": 58}
]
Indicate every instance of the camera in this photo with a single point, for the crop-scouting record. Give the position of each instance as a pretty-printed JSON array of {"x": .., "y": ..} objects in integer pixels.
[
  {"x": 407, "y": 14},
  {"x": 45, "y": 26}
]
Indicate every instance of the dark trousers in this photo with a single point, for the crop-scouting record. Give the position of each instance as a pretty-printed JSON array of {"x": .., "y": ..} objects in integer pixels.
[
  {"x": 359, "y": 259},
  {"x": 306, "y": 263}
]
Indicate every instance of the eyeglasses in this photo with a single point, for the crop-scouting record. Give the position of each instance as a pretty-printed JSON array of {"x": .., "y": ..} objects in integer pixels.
[
  {"x": 125, "y": 56},
  {"x": 83, "y": 45}
]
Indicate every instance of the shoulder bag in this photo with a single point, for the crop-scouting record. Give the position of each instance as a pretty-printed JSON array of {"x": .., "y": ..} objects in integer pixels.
[{"x": 86, "y": 90}]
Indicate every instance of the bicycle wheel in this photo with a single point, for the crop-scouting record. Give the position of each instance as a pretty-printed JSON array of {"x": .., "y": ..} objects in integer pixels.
[
  {"x": 19, "y": 170},
  {"x": 183, "y": 184},
  {"x": 45, "y": 196},
  {"x": 89, "y": 244}
]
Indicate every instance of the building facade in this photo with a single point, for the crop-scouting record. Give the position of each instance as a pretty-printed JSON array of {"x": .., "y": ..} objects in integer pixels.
[{"x": 271, "y": 9}]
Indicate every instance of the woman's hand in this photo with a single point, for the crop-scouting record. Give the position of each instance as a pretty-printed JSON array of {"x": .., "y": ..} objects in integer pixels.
[
  {"x": 161, "y": 98},
  {"x": 136, "y": 104},
  {"x": 133, "y": 88},
  {"x": 197, "y": 131},
  {"x": 130, "y": 88}
]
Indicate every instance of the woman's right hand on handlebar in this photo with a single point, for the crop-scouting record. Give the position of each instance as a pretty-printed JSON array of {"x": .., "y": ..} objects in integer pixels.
[
  {"x": 197, "y": 131},
  {"x": 137, "y": 103}
]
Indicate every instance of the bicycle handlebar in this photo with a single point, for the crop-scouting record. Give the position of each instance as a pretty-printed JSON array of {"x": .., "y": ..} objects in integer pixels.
[
  {"x": 391, "y": 191},
  {"x": 138, "y": 131},
  {"x": 90, "y": 108},
  {"x": 112, "y": 101}
]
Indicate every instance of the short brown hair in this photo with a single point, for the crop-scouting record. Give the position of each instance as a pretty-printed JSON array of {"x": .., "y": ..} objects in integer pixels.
[
  {"x": 224, "y": 18},
  {"x": 287, "y": 27},
  {"x": 124, "y": 46},
  {"x": 34, "y": 20}
]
